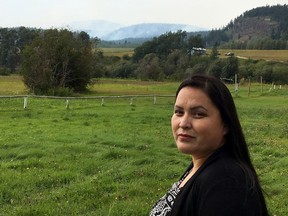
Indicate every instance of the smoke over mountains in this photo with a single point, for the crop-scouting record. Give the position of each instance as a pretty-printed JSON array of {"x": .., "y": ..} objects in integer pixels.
[{"x": 114, "y": 31}]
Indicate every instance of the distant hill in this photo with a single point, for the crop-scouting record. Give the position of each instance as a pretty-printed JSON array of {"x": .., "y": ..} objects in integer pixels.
[
  {"x": 259, "y": 28},
  {"x": 112, "y": 31},
  {"x": 269, "y": 21},
  {"x": 149, "y": 30},
  {"x": 95, "y": 28}
]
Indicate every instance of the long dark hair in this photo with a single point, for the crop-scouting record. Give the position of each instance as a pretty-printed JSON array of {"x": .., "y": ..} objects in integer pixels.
[{"x": 235, "y": 143}]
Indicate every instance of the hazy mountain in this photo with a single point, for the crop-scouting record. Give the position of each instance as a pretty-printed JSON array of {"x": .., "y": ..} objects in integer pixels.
[
  {"x": 114, "y": 31},
  {"x": 95, "y": 28},
  {"x": 148, "y": 30}
]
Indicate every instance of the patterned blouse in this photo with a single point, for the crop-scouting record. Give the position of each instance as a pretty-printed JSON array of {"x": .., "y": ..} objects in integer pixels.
[{"x": 165, "y": 203}]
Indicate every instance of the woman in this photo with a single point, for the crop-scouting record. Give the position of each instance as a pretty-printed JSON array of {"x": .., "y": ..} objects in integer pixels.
[{"x": 221, "y": 179}]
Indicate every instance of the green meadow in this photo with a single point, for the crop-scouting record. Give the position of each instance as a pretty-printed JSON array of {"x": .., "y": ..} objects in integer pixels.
[{"x": 119, "y": 157}]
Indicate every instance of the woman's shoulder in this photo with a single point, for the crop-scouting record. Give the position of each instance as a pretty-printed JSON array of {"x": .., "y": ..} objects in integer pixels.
[{"x": 223, "y": 168}]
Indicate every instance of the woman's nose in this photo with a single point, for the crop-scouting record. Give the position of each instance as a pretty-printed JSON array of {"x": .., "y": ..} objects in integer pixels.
[{"x": 185, "y": 122}]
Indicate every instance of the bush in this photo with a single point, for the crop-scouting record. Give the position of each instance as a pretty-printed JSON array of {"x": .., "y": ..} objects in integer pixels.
[
  {"x": 61, "y": 92},
  {"x": 57, "y": 60},
  {"x": 280, "y": 74}
]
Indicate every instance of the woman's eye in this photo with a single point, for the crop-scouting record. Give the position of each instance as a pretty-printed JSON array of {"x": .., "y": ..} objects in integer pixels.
[
  {"x": 178, "y": 112},
  {"x": 199, "y": 115}
]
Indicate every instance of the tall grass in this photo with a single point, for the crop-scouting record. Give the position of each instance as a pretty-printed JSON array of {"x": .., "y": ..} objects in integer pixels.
[{"x": 118, "y": 159}]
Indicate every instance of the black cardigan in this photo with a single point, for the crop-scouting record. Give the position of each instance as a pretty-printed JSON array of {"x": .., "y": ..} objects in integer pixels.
[{"x": 220, "y": 188}]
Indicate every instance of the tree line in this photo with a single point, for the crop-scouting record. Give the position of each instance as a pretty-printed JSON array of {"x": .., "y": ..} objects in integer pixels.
[
  {"x": 60, "y": 62},
  {"x": 171, "y": 56}
]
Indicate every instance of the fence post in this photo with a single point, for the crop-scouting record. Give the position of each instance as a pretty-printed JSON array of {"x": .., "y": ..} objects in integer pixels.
[
  {"x": 67, "y": 103},
  {"x": 249, "y": 88},
  {"x": 131, "y": 101},
  {"x": 25, "y": 102},
  {"x": 261, "y": 85},
  {"x": 102, "y": 102},
  {"x": 155, "y": 100},
  {"x": 236, "y": 85}
]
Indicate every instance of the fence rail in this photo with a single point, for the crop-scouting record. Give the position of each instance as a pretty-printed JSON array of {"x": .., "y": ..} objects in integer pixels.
[
  {"x": 87, "y": 97},
  {"x": 67, "y": 99}
]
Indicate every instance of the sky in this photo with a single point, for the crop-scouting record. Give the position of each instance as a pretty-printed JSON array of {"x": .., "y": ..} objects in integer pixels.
[{"x": 209, "y": 14}]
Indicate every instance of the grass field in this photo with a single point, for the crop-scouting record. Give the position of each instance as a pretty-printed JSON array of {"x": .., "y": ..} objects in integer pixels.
[
  {"x": 117, "y": 159},
  {"x": 12, "y": 85},
  {"x": 117, "y": 51},
  {"x": 269, "y": 55}
]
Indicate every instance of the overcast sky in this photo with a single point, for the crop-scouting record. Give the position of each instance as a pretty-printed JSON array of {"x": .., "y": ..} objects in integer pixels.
[{"x": 55, "y": 13}]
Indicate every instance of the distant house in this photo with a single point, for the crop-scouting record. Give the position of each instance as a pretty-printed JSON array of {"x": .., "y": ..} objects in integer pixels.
[
  {"x": 198, "y": 51},
  {"x": 229, "y": 54}
]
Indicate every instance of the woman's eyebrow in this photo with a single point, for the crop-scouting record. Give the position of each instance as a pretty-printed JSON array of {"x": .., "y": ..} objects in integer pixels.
[
  {"x": 191, "y": 108},
  {"x": 178, "y": 107},
  {"x": 198, "y": 107}
]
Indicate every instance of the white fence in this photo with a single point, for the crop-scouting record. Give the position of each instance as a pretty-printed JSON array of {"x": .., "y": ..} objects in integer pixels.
[{"x": 102, "y": 98}]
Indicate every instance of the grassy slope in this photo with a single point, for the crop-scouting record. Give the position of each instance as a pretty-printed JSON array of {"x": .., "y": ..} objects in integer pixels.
[{"x": 118, "y": 159}]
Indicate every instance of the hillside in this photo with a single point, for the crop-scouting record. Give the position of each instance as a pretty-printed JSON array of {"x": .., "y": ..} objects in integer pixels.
[
  {"x": 269, "y": 21},
  {"x": 264, "y": 28},
  {"x": 247, "y": 28}
]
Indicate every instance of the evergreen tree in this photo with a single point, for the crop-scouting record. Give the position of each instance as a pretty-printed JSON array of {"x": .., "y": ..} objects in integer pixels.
[{"x": 214, "y": 52}]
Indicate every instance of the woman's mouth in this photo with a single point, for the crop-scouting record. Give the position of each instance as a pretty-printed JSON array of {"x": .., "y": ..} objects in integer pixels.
[{"x": 184, "y": 137}]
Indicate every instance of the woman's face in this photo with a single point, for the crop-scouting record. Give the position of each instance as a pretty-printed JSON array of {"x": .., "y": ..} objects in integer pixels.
[{"x": 196, "y": 123}]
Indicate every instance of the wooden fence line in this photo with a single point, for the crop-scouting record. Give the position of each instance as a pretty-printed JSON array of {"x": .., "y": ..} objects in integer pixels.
[
  {"x": 67, "y": 99},
  {"x": 87, "y": 97}
]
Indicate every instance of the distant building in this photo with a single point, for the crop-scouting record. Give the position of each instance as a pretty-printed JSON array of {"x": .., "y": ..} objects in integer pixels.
[
  {"x": 198, "y": 51},
  {"x": 229, "y": 54}
]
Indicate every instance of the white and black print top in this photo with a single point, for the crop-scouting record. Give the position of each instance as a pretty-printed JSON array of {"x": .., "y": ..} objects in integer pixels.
[{"x": 165, "y": 203}]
